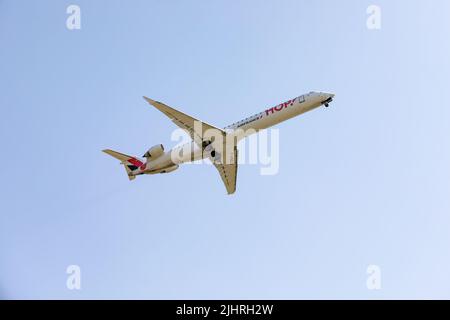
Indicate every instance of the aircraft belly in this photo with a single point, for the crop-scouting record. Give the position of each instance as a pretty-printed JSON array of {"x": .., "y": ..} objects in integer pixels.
[{"x": 185, "y": 153}]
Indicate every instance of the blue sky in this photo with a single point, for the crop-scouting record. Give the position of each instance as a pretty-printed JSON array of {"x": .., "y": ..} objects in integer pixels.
[{"x": 364, "y": 182}]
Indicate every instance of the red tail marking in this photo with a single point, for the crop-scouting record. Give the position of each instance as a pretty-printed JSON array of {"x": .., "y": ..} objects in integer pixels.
[{"x": 135, "y": 162}]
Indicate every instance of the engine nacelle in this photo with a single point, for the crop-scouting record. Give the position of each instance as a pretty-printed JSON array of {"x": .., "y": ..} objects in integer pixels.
[{"x": 154, "y": 152}]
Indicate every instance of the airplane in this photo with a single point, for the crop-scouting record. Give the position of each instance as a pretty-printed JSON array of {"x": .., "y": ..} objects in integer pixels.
[{"x": 213, "y": 143}]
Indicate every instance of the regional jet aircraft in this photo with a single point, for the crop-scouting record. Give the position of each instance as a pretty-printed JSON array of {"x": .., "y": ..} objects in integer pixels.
[{"x": 210, "y": 142}]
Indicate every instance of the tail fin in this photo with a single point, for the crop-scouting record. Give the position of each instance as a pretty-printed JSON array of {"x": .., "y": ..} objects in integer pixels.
[{"x": 130, "y": 163}]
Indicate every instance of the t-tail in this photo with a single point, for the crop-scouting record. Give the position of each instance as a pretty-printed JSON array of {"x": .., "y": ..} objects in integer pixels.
[{"x": 130, "y": 163}]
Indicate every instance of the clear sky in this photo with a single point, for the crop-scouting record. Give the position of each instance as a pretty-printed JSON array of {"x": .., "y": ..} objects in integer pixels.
[{"x": 364, "y": 182}]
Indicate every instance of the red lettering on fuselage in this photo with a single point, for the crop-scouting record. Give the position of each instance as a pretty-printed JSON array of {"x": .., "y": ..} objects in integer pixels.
[{"x": 280, "y": 107}]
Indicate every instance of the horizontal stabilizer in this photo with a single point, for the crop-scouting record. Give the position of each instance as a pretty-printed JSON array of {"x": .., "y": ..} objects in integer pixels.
[{"x": 129, "y": 162}]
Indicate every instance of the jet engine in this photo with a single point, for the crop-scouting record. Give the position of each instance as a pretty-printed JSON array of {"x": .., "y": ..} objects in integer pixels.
[{"x": 154, "y": 152}]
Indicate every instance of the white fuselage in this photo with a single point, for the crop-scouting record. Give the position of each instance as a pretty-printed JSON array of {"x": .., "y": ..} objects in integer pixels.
[{"x": 241, "y": 129}]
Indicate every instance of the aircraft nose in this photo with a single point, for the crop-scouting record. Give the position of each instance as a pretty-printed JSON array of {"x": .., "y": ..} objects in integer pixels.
[
  {"x": 326, "y": 98},
  {"x": 327, "y": 95}
]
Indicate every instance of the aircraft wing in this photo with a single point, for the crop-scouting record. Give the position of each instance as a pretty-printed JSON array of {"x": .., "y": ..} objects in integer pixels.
[
  {"x": 228, "y": 170},
  {"x": 184, "y": 121}
]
